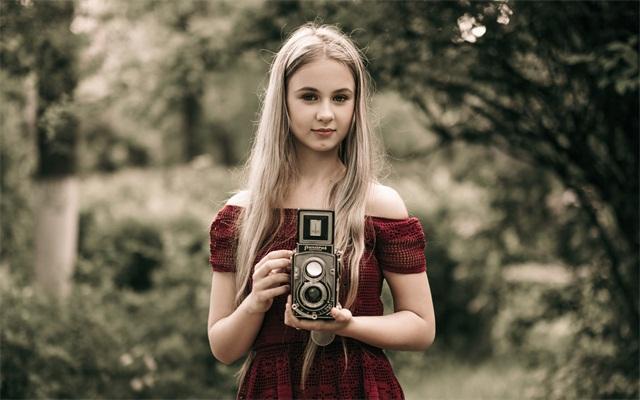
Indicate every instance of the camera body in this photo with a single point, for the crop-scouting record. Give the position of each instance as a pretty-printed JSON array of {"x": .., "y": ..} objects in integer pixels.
[{"x": 315, "y": 266}]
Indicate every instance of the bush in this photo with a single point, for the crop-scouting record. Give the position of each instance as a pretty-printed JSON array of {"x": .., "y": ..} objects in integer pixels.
[
  {"x": 462, "y": 321},
  {"x": 602, "y": 361},
  {"x": 565, "y": 325},
  {"x": 104, "y": 150},
  {"x": 535, "y": 319},
  {"x": 17, "y": 165},
  {"x": 106, "y": 342},
  {"x": 168, "y": 341},
  {"x": 60, "y": 349},
  {"x": 127, "y": 252}
]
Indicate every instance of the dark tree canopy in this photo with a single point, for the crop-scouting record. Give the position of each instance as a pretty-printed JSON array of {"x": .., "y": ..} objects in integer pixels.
[
  {"x": 552, "y": 83},
  {"x": 557, "y": 85},
  {"x": 36, "y": 39}
]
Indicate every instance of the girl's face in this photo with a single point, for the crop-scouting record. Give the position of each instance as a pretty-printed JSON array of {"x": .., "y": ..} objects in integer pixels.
[{"x": 320, "y": 100}]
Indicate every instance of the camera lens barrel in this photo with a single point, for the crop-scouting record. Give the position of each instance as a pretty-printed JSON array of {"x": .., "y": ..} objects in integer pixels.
[{"x": 313, "y": 295}]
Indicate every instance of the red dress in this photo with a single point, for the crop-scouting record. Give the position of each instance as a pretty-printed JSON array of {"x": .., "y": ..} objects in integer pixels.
[{"x": 390, "y": 245}]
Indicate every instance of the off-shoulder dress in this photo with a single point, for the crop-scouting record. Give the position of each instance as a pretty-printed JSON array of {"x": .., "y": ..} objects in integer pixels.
[{"x": 395, "y": 245}]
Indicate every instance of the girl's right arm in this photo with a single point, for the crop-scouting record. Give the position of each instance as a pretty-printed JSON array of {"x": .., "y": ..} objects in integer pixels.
[{"x": 232, "y": 330}]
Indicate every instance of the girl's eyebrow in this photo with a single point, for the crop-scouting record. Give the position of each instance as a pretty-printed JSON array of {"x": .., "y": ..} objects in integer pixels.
[{"x": 311, "y": 89}]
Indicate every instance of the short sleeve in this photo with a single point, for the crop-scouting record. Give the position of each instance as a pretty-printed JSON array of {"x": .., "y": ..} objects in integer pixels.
[
  {"x": 399, "y": 245},
  {"x": 223, "y": 240}
]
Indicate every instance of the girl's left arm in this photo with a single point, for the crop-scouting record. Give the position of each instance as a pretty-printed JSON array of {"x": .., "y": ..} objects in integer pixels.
[{"x": 411, "y": 326}]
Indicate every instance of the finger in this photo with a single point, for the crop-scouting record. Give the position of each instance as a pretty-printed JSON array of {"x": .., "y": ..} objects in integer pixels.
[
  {"x": 270, "y": 265},
  {"x": 341, "y": 315},
  {"x": 309, "y": 325},
  {"x": 272, "y": 280},
  {"x": 276, "y": 291},
  {"x": 275, "y": 264},
  {"x": 285, "y": 270},
  {"x": 276, "y": 254},
  {"x": 289, "y": 318},
  {"x": 292, "y": 320},
  {"x": 273, "y": 255}
]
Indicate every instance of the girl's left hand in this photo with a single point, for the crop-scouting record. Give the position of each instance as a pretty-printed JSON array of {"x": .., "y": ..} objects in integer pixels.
[{"x": 341, "y": 316}]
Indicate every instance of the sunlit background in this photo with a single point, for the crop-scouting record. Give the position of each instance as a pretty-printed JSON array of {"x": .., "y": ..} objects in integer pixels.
[{"x": 511, "y": 129}]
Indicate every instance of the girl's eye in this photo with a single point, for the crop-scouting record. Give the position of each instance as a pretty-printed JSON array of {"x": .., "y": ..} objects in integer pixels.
[
  {"x": 313, "y": 97},
  {"x": 309, "y": 97}
]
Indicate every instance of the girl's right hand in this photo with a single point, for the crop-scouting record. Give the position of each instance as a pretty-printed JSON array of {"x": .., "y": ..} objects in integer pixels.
[{"x": 270, "y": 279}]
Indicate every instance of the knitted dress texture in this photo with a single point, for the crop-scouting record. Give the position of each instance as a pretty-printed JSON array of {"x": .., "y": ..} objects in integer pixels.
[{"x": 395, "y": 245}]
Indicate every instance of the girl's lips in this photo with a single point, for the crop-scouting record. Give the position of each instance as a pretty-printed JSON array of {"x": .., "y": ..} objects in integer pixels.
[{"x": 323, "y": 132}]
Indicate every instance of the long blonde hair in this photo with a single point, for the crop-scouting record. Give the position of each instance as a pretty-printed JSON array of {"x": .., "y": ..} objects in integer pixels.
[{"x": 272, "y": 168}]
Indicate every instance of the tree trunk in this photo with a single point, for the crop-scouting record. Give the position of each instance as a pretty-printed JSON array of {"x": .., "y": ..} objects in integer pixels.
[
  {"x": 56, "y": 234},
  {"x": 56, "y": 207}
]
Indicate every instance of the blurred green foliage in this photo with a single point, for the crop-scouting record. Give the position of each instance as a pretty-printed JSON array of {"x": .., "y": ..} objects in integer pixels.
[
  {"x": 135, "y": 325},
  {"x": 129, "y": 250},
  {"x": 36, "y": 44},
  {"x": 173, "y": 77},
  {"x": 75, "y": 352},
  {"x": 518, "y": 152},
  {"x": 106, "y": 342},
  {"x": 540, "y": 82},
  {"x": 17, "y": 163}
]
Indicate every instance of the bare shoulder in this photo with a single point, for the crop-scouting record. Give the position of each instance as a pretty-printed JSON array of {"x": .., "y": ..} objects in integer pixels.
[
  {"x": 240, "y": 199},
  {"x": 385, "y": 202}
]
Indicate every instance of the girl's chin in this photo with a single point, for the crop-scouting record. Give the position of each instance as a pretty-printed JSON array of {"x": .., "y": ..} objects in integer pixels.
[
  {"x": 320, "y": 147},
  {"x": 323, "y": 149}
]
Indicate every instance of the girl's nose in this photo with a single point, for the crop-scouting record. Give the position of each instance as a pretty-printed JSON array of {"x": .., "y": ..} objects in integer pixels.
[{"x": 325, "y": 114}]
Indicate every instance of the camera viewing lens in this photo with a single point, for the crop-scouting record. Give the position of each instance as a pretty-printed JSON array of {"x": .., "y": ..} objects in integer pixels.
[
  {"x": 313, "y": 269},
  {"x": 313, "y": 294}
]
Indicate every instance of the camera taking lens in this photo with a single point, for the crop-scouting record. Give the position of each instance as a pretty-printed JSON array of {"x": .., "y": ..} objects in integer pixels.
[{"x": 313, "y": 294}]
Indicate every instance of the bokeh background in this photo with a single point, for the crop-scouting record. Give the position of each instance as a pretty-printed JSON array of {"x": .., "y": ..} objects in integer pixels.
[{"x": 511, "y": 129}]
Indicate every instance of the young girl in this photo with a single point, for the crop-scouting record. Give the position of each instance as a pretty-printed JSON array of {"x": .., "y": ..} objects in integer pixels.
[{"x": 313, "y": 149}]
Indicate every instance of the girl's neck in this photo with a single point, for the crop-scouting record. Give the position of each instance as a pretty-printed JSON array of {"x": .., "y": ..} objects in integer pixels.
[
  {"x": 317, "y": 172},
  {"x": 318, "y": 168}
]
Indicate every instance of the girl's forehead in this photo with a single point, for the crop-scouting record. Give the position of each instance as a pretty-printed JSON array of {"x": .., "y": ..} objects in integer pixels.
[{"x": 323, "y": 75}]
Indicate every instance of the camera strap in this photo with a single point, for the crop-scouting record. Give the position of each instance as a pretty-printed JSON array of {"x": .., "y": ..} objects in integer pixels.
[{"x": 322, "y": 338}]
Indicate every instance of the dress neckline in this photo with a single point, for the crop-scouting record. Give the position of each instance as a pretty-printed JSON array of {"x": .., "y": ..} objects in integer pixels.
[{"x": 293, "y": 211}]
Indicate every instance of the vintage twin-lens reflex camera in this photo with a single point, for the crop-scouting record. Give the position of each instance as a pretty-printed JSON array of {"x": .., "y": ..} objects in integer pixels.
[{"x": 315, "y": 266}]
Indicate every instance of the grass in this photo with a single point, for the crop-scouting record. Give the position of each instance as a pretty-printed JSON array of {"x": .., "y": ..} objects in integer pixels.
[{"x": 451, "y": 378}]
